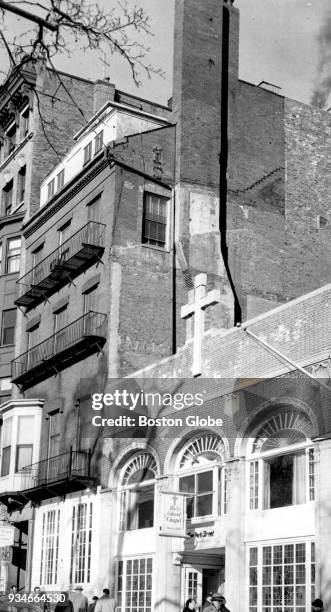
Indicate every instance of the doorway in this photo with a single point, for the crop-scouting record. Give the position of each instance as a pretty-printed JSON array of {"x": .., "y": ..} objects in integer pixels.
[{"x": 199, "y": 581}]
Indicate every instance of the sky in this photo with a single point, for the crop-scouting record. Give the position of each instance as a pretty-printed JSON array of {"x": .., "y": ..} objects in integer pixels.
[{"x": 279, "y": 43}]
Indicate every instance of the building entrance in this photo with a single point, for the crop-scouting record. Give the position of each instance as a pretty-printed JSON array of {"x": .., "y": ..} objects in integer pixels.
[{"x": 203, "y": 577}]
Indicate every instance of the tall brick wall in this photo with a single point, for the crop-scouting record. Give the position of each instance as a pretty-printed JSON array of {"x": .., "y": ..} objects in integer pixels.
[
  {"x": 279, "y": 178},
  {"x": 63, "y": 111}
]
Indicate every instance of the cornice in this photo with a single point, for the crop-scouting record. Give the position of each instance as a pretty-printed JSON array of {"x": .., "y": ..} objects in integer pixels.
[{"x": 60, "y": 200}]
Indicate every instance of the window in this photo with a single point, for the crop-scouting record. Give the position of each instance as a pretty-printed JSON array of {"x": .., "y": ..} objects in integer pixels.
[
  {"x": 155, "y": 220},
  {"x": 33, "y": 356},
  {"x": 137, "y": 500},
  {"x": 98, "y": 142},
  {"x": 24, "y": 446},
  {"x": 8, "y": 326},
  {"x": 60, "y": 322},
  {"x": 60, "y": 180},
  {"x": 24, "y": 123},
  {"x": 50, "y": 189},
  {"x": 37, "y": 269},
  {"x": 94, "y": 209},
  {"x": 254, "y": 485},
  {"x": 50, "y": 547},
  {"x": 135, "y": 585},
  {"x": 202, "y": 476},
  {"x": 7, "y": 198},
  {"x": 87, "y": 153},
  {"x": 13, "y": 258},
  {"x": 10, "y": 140},
  {"x": 54, "y": 434},
  {"x": 281, "y": 577},
  {"x": 21, "y": 185},
  {"x": 81, "y": 542},
  {"x": 64, "y": 235},
  {"x": 91, "y": 299},
  {"x": 199, "y": 490},
  {"x": 284, "y": 478},
  {"x": 6, "y": 444}
]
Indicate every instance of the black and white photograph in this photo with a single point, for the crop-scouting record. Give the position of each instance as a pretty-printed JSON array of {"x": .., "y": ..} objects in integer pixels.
[{"x": 165, "y": 305}]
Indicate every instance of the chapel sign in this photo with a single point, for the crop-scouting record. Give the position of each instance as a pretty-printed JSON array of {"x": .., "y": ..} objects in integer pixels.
[{"x": 173, "y": 515}]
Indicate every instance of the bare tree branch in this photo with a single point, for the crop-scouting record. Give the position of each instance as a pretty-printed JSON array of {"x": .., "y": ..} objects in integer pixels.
[
  {"x": 61, "y": 26},
  {"x": 8, "y": 6},
  {"x": 68, "y": 23}
]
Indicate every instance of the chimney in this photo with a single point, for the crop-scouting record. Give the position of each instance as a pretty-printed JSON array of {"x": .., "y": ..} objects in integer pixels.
[
  {"x": 205, "y": 69},
  {"x": 103, "y": 92},
  {"x": 204, "y": 98}
]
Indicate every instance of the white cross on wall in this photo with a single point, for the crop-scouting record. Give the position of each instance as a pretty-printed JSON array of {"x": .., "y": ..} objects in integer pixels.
[{"x": 198, "y": 301}]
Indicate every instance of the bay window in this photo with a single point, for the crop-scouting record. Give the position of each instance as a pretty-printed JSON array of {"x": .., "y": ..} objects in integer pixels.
[{"x": 17, "y": 440}]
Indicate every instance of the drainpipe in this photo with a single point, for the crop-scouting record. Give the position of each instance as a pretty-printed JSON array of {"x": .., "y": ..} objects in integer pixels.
[{"x": 294, "y": 365}]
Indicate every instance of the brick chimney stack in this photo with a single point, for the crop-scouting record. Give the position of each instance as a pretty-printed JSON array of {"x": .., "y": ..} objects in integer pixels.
[
  {"x": 206, "y": 40},
  {"x": 205, "y": 80},
  {"x": 103, "y": 92}
]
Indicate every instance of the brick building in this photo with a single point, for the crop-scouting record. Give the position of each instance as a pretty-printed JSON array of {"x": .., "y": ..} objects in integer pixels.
[
  {"x": 147, "y": 197},
  {"x": 29, "y": 103}
]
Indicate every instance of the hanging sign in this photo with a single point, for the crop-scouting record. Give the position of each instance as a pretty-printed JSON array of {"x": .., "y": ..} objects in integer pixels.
[{"x": 173, "y": 515}]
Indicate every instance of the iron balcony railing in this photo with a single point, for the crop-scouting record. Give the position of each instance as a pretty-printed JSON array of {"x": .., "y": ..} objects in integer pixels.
[
  {"x": 68, "y": 345},
  {"x": 72, "y": 257},
  {"x": 67, "y": 466}
]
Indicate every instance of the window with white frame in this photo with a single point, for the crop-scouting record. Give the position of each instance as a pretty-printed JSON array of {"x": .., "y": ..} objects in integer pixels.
[
  {"x": 202, "y": 476},
  {"x": 50, "y": 547},
  {"x": 281, "y": 577},
  {"x": 137, "y": 494},
  {"x": 24, "y": 443},
  {"x": 17, "y": 440},
  {"x": 135, "y": 585},
  {"x": 13, "y": 255},
  {"x": 98, "y": 142},
  {"x": 87, "y": 153},
  {"x": 81, "y": 543},
  {"x": 60, "y": 180},
  {"x": 281, "y": 466},
  {"x": 50, "y": 188}
]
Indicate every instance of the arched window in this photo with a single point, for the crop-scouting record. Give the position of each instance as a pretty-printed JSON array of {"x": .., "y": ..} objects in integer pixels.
[
  {"x": 281, "y": 462},
  {"x": 202, "y": 476},
  {"x": 137, "y": 492}
]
